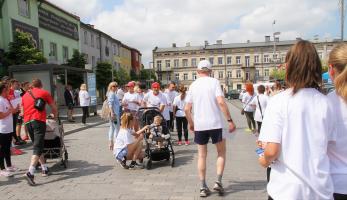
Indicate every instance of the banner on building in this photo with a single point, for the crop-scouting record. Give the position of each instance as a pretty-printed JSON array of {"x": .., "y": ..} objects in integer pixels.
[
  {"x": 57, "y": 24},
  {"x": 33, "y": 32}
]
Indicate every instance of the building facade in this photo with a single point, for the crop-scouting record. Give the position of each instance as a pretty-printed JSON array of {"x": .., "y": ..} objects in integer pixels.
[
  {"x": 233, "y": 64},
  {"x": 125, "y": 58},
  {"x": 136, "y": 60},
  {"x": 90, "y": 44}
]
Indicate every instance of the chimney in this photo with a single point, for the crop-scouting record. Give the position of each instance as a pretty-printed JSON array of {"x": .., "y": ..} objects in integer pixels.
[
  {"x": 248, "y": 41},
  {"x": 188, "y": 44},
  {"x": 174, "y": 45},
  {"x": 267, "y": 38},
  {"x": 277, "y": 39},
  {"x": 206, "y": 43},
  {"x": 298, "y": 38},
  {"x": 219, "y": 41}
]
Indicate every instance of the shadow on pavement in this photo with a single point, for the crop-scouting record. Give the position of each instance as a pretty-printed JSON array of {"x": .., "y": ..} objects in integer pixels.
[{"x": 237, "y": 186}]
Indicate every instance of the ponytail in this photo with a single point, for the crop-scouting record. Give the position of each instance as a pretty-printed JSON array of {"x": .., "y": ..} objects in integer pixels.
[
  {"x": 341, "y": 84},
  {"x": 182, "y": 90},
  {"x": 126, "y": 119}
]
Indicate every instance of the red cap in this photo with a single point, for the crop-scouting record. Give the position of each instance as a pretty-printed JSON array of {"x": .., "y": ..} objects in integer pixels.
[
  {"x": 131, "y": 84},
  {"x": 155, "y": 85}
]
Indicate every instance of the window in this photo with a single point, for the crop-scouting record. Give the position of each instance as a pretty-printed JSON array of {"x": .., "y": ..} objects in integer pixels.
[
  {"x": 85, "y": 37},
  {"x": 248, "y": 76},
  {"x": 212, "y": 74},
  {"x": 98, "y": 42},
  {"x": 238, "y": 60},
  {"x": 202, "y": 59},
  {"x": 176, "y": 63},
  {"x": 220, "y": 60},
  {"x": 168, "y": 77},
  {"x": 160, "y": 77},
  {"x": 167, "y": 63},
  {"x": 257, "y": 73},
  {"x": 185, "y": 62},
  {"x": 65, "y": 54},
  {"x": 266, "y": 73},
  {"x": 256, "y": 59},
  {"x": 238, "y": 74},
  {"x": 239, "y": 86},
  {"x": 53, "y": 51},
  {"x": 177, "y": 76},
  {"x": 93, "y": 61},
  {"x": 193, "y": 62},
  {"x": 87, "y": 58},
  {"x": 185, "y": 76},
  {"x": 247, "y": 61},
  {"x": 220, "y": 74},
  {"x": 92, "y": 40},
  {"x": 211, "y": 60},
  {"x": 229, "y": 60},
  {"x": 115, "y": 50},
  {"x": 23, "y": 8},
  {"x": 229, "y": 74},
  {"x": 194, "y": 76},
  {"x": 41, "y": 45},
  {"x": 266, "y": 58},
  {"x": 159, "y": 65}
]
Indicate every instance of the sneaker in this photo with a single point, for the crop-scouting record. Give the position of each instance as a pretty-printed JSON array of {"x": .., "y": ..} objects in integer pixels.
[
  {"x": 179, "y": 143},
  {"x": 136, "y": 166},
  {"x": 20, "y": 142},
  {"x": 15, "y": 151},
  {"x": 5, "y": 173},
  {"x": 123, "y": 164},
  {"x": 219, "y": 188},
  {"x": 30, "y": 178},
  {"x": 204, "y": 192},
  {"x": 45, "y": 173},
  {"x": 187, "y": 143},
  {"x": 12, "y": 169}
]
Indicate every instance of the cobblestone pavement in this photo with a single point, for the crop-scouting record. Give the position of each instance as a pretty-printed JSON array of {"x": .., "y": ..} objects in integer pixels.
[{"x": 92, "y": 172}]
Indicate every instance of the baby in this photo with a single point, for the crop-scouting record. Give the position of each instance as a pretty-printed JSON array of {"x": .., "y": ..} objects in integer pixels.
[{"x": 156, "y": 130}]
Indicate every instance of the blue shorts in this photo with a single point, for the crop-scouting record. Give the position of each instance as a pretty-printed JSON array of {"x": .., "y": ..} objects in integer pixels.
[
  {"x": 202, "y": 137},
  {"x": 120, "y": 154}
]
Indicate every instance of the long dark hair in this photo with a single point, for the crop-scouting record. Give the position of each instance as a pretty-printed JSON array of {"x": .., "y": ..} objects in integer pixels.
[
  {"x": 3, "y": 86},
  {"x": 304, "y": 68},
  {"x": 182, "y": 90}
]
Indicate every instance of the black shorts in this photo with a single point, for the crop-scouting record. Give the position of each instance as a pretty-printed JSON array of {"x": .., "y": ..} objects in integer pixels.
[
  {"x": 202, "y": 137},
  {"x": 37, "y": 131}
]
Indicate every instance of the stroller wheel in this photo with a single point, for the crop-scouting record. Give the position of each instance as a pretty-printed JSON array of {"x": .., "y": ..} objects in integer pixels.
[{"x": 148, "y": 164}]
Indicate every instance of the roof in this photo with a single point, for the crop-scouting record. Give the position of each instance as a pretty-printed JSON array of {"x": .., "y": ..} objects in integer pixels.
[
  {"x": 190, "y": 48},
  {"x": 60, "y": 9},
  {"x": 40, "y": 67}
]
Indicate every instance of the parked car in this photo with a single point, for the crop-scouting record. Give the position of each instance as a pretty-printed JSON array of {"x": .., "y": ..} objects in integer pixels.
[{"x": 233, "y": 94}]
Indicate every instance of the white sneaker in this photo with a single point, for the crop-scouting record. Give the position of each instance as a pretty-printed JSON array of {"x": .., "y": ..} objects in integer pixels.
[
  {"x": 12, "y": 169},
  {"x": 5, "y": 173}
]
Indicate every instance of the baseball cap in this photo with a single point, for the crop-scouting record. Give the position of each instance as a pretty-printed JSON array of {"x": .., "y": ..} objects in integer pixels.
[
  {"x": 131, "y": 84},
  {"x": 204, "y": 64},
  {"x": 155, "y": 85}
]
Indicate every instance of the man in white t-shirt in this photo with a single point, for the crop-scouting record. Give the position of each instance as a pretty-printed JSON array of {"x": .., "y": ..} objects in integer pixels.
[
  {"x": 206, "y": 99},
  {"x": 155, "y": 98},
  {"x": 171, "y": 94}
]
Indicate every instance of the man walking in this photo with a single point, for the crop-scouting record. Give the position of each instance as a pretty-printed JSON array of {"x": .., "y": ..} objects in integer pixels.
[
  {"x": 69, "y": 102},
  {"x": 35, "y": 121},
  {"x": 206, "y": 98},
  {"x": 171, "y": 93}
]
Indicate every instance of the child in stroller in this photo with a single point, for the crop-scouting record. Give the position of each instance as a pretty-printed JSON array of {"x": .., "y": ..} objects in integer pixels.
[{"x": 156, "y": 131}]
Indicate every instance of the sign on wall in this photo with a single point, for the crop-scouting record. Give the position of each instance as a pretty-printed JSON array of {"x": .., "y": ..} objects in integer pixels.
[
  {"x": 33, "y": 32},
  {"x": 57, "y": 24},
  {"x": 92, "y": 88}
]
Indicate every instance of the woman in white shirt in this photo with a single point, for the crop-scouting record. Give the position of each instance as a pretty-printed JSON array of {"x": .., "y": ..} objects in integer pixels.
[
  {"x": 84, "y": 101},
  {"x": 337, "y": 151},
  {"x": 297, "y": 126},
  {"x": 181, "y": 121},
  {"x": 131, "y": 102},
  {"x": 259, "y": 103},
  {"x": 247, "y": 99}
]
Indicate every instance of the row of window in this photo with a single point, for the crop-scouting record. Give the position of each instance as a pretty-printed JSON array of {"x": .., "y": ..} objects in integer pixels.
[
  {"x": 220, "y": 75},
  {"x": 53, "y": 51},
  {"x": 92, "y": 40},
  {"x": 193, "y": 63}
]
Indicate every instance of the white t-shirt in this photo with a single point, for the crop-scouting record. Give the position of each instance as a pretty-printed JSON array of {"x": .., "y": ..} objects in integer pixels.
[
  {"x": 129, "y": 98},
  {"x": 180, "y": 104},
  {"x": 84, "y": 98},
  {"x": 263, "y": 99},
  {"x": 120, "y": 94},
  {"x": 123, "y": 138},
  {"x": 303, "y": 125},
  {"x": 154, "y": 100},
  {"x": 337, "y": 151},
  {"x": 6, "y": 124},
  {"x": 171, "y": 97},
  {"x": 203, "y": 93},
  {"x": 247, "y": 100},
  {"x": 166, "y": 111}
]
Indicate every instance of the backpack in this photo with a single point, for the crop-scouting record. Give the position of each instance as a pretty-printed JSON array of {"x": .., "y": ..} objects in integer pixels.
[{"x": 105, "y": 111}]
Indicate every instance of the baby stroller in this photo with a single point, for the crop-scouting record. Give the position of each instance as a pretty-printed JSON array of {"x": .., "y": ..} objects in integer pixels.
[
  {"x": 152, "y": 152},
  {"x": 54, "y": 147}
]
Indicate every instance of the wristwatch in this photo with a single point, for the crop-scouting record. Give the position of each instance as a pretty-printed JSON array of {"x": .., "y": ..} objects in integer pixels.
[{"x": 230, "y": 120}]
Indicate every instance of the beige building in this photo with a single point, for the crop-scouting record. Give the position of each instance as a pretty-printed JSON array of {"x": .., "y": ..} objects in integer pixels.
[{"x": 233, "y": 64}]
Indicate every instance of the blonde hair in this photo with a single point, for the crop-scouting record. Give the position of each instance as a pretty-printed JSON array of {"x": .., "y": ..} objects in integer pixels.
[
  {"x": 338, "y": 60},
  {"x": 110, "y": 85},
  {"x": 158, "y": 117},
  {"x": 83, "y": 87},
  {"x": 126, "y": 119}
]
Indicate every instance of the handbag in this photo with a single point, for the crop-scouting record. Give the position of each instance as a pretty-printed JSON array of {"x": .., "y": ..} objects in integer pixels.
[{"x": 39, "y": 103}]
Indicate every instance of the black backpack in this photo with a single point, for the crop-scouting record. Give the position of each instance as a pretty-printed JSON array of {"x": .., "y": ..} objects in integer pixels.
[{"x": 39, "y": 103}]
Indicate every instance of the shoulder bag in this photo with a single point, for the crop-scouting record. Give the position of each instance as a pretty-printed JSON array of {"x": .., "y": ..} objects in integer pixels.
[
  {"x": 243, "y": 109},
  {"x": 39, "y": 103}
]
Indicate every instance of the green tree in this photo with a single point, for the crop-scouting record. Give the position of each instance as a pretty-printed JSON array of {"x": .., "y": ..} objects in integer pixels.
[
  {"x": 103, "y": 75},
  {"x": 278, "y": 74},
  {"x": 78, "y": 60},
  {"x": 121, "y": 76},
  {"x": 133, "y": 75},
  {"x": 22, "y": 51},
  {"x": 147, "y": 74}
]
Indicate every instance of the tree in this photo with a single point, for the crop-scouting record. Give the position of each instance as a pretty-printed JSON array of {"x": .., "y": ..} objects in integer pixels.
[
  {"x": 78, "y": 60},
  {"x": 22, "y": 51},
  {"x": 147, "y": 74},
  {"x": 278, "y": 74},
  {"x": 133, "y": 75},
  {"x": 103, "y": 75},
  {"x": 121, "y": 76}
]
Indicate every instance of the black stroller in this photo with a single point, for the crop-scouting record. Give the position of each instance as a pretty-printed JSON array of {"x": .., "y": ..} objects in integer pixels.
[{"x": 152, "y": 152}]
